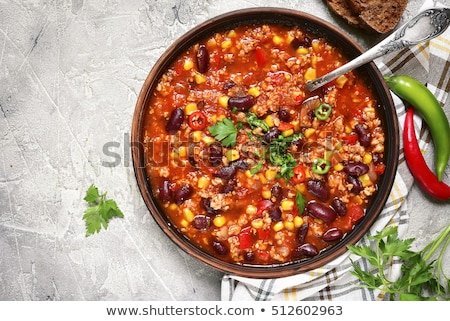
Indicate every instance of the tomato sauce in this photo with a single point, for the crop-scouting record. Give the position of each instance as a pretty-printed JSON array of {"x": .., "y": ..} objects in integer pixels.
[{"x": 247, "y": 164}]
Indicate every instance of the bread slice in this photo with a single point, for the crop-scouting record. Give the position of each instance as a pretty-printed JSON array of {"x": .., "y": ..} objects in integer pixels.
[
  {"x": 342, "y": 9},
  {"x": 380, "y": 15},
  {"x": 374, "y": 16}
]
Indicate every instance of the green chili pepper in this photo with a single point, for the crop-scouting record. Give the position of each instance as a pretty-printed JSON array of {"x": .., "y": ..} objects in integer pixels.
[
  {"x": 422, "y": 99},
  {"x": 321, "y": 166},
  {"x": 323, "y": 111}
]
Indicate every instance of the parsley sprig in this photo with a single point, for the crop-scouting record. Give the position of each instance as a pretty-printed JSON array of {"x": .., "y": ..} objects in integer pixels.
[
  {"x": 225, "y": 132},
  {"x": 422, "y": 277},
  {"x": 99, "y": 212}
]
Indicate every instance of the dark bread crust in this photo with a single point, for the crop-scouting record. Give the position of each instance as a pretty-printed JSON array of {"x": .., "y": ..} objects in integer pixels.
[{"x": 374, "y": 16}]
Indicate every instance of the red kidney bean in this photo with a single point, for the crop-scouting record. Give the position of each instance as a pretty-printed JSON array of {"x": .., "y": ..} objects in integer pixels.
[
  {"x": 249, "y": 256},
  {"x": 220, "y": 248},
  {"x": 357, "y": 185},
  {"x": 356, "y": 168},
  {"x": 201, "y": 222},
  {"x": 229, "y": 84},
  {"x": 274, "y": 213},
  {"x": 318, "y": 188},
  {"x": 277, "y": 193},
  {"x": 175, "y": 120},
  {"x": 339, "y": 207},
  {"x": 227, "y": 172},
  {"x": 241, "y": 164},
  {"x": 363, "y": 135},
  {"x": 301, "y": 233},
  {"x": 242, "y": 103},
  {"x": 283, "y": 115},
  {"x": 165, "y": 194},
  {"x": 307, "y": 249},
  {"x": 304, "y": 42},
  {"x": 215, "y": 154},
  {"x": 206, "y": 203},
  {"x": 332, "y": 234},
  {"x": 229, "y": 186},
  {"x": 321, "y": 211},
  {"x": 202, "y": 59},
  {"x": 271, "y": 135},
  {"x": 183, "y": 193}
]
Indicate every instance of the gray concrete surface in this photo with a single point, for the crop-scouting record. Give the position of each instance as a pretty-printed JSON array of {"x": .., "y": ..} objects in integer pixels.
[{"x": 70, "y": 74}]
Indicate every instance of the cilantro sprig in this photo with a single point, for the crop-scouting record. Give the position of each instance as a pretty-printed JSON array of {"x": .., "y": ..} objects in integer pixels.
[
  {"x": 100, "y": 211},
  {"x": 422, "y": 277},
  {"x": 225, "y": 132}
]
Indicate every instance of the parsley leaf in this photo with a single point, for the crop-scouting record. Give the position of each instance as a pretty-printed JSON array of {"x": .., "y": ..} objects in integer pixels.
[
  {"x": 422, "y": 278},
  {"x": 225, "y": 132},
  {"x": 255, "y": 122},
  {"x": 279, "y": 156},
  {"x": 99, "y": 212}
]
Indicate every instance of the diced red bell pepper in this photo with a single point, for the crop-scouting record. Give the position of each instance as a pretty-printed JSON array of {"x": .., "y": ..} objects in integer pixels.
[
  {"x": 263, "y": 256},
  {"x": 260, "y": 56},
  {"x": 380, "y": 168},
  {"x": 355, "y": 212},
  {"x": 263, "y": 234},
  {"x": 245, "y": 240},
  {"x": 350, "y": 139},
  {"x": 261, "y": 206},
  {"x": 283, "y": 126}
]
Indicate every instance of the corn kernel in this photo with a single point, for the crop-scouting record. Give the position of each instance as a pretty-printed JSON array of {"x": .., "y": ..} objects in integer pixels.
[
  {"x": 269, "y": 120},
  {"x": 262, "y": 178},
  {"x": 219, "y": 221},
  {"x": 266, "y": 194},
  {"x": 308, "y": 132},
  {"x": 257, "y": 223},
  {"x": 223, "y": 101},
  {"x": 315, "y": 45},
  {"x": 197, "y": 136},
  {"x": 302, "y": 51},
  {"x": 287, "y": 205},
  {"x": 288, "y": 132},
  {"x": 310, "y": 74},
  {"x": 221, "y": 117},
  {"x": 365, "y": 180},
  {"x": 173, "y": 155},
  {"x": 358, "y": 200},
  {"x": 190, "y": 108},
  {"x": 248, "y": 173},
  {"x": 348, "y": 130},
  {"x": 188, "y": 64},
  {"x": 301, "y": 188},
  {"x": 203, "y": 182},
  {"x": 340, "y": 81},
  {"x": 251, "y": 210},
  {"x": 182, "y": 151},
  {"x": 298, "y": 221},
  {"x": 296, "y": 125},
  {"x": 184, "y": 223},
  {"x": 338, "y": 167},
  {"x": 232, "y": 155},
  {"x": 188, "y": 215},
  {"x": 208, "y": 140},
  {"x": 278, "y": 226},
  {"x": 199, "y": 79},
  {"x": 270, "y": 174},
  {"x": 289, "y": 225},
  {"x": 232, "y": 34},
  {"x": 314, "y": 61},
  {"x": 226, "y": 44},
  {"x": 173, "y": 206},
  {"x": 289, "y": 38},
  {"x": 367, "y": 159},
  {"x": 277, "y": 40},
  {"x": 254, "y": 91}
]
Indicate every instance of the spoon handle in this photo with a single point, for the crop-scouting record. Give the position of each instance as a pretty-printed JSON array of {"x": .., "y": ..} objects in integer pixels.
[{"x": 425, "y": 26}]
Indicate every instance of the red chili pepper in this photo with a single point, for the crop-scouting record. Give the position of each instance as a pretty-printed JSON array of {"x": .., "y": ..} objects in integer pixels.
[
  {"x": 261, "y": 58},
  {"x": 197, "y": 120},
  {"x": 299, "y": 174},
  {"x": 426, "y": 179}
]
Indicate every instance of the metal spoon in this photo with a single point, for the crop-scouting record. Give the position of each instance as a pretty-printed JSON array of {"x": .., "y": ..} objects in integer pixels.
[{"x": 427, "y": 25}]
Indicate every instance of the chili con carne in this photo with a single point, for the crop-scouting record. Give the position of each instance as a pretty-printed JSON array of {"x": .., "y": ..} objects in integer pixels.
[
  {"x": 417, "y": 165},
  {"x": 423, "y": 100}
]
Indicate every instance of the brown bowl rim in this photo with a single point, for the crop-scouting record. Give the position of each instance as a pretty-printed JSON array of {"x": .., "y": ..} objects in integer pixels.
[{"x": 312, "y": 24}]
